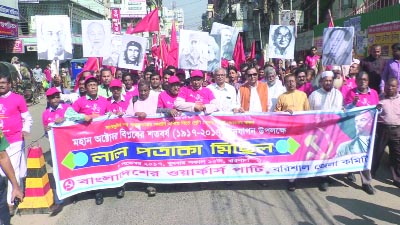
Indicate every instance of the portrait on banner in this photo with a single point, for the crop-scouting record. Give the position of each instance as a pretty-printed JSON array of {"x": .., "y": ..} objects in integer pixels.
[
  {"x": 53, "y": 34},
  {"x": 132, "y": 52},
  {"x": 362, "y": 126},
  {"x": 116, "y": 48},
  {"x": 228, "y": 39},
  {"x": 96, "y": 38},
  {"x": 337, "y": 46},
  {"x": 214, "y": 53},
  {"x": 193, "y": 49},
  {"x": 281, "y": 42}
]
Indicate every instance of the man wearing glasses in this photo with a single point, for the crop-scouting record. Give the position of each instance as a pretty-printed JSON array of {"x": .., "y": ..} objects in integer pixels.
[
  {"x": 253, "y": 95},
  {"x": 282, "y": 38},
  {"x": 224, "y": 93}
]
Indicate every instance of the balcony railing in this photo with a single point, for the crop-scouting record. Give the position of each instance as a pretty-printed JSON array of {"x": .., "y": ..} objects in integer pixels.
[{"x": 373, "y": 5}]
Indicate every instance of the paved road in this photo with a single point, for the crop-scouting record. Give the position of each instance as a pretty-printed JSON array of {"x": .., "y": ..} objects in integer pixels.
[{"x": 242, "y": 203}]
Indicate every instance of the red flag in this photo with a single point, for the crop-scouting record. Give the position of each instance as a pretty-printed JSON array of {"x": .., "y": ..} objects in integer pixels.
[
  {"x": 144, "y": 63},
  {"x": 224, "y": 63},
  {"x": 173, "y": 47},
  {"x": 155, "y": 50},
  {"x": 91, "y": 64},
  {"x": 253, "y": 50},
  {"x": 330, "y": 24},
  {"x": 150, "y": 22},
  {"x": 164, "y": 52},
  {"x": 238, "y": 52}
]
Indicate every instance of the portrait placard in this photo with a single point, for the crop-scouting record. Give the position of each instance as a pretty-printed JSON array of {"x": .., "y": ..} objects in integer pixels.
[
  {"x": 337, "y": 46},
  {"x": 228, "y": 38},
  {"x": 214, "y": 53},
  {"x": 193, "y": 49},
  {"x": 281, "y": 42},
  {"x": 96, "y": 38},
  {"x": 53, "y": 35},
  {"x": 132, "y": 52},
  {"x": 116, "y": 48}
]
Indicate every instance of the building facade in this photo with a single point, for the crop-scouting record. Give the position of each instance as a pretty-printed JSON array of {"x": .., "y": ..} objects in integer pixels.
[{"x": 74, "y": 9}]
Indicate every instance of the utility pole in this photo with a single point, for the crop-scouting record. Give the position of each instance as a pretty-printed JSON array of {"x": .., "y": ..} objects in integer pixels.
[
  {"x": 317, "y": 12},
  {"x": 278, "y": 9},
  {"x": 230, "y": 13}
]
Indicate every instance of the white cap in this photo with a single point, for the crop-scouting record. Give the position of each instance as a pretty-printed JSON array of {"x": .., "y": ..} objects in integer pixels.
[
  {"x": 293, "y": 63},
  {"x": 327, "y": 74},
  {"x": 336, "y": 67}
]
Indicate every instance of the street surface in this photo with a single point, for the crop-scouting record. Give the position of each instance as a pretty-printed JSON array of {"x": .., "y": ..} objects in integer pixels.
[{"x": 216, "y": 203}]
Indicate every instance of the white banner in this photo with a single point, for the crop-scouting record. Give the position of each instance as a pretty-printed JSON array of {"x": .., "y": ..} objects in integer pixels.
[
  {"x": 9, "y": 9},
  {"x": 133, "y": 9}
]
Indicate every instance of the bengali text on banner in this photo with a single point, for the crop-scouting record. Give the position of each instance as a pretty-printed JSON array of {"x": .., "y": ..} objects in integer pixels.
[{"x": 195, "y": 148}]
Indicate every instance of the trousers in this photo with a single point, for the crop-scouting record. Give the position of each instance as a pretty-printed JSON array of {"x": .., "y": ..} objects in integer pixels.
[
  {"x": 18, "y": 161},
  {"x": 387, "y": 135},
  {"x": 4, "y": 211}
]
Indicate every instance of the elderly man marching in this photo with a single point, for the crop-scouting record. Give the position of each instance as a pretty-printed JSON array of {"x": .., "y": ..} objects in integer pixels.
[{"x": 326, "y": 98}]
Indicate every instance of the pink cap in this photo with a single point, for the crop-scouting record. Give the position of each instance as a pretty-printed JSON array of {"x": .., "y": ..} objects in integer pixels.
[
  {"x": 52, "y": 91},
  {"x": 173, "y": 79},
  {"x": 90, "y": 78},
  {"x": 116, "y": 83},
  {"x": 196, "y": 73}
]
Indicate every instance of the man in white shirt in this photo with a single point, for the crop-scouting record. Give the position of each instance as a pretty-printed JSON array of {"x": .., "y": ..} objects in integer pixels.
[
  {"x": 275, "y": 87},
  {"x": 326, "y": 98},
  {"x": 224, "y": 93}
]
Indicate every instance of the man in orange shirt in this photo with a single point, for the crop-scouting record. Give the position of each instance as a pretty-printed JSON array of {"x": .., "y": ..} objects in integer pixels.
[{"x": 253, "y": 95}]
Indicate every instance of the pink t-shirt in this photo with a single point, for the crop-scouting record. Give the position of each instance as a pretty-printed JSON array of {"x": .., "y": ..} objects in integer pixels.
[
  {"x": 11, "y": 107},
  {"x": 165, "y": 100},
  {"x": 365, "y": 99},
  {"x": 50, "y": 115},
  {"x": 120, "y": 106},
  {"x": 149, "y": 106},
  {"x": 348, "y": 85},
  {"x": 311, "y": 61},
  {"x": 94, "y": 107},
  {"x": 134, "y": 91},
  {"x": 47, "y": 73},
  {"x": 306, "y": 88},
  {"x": 202, "y": 95}
]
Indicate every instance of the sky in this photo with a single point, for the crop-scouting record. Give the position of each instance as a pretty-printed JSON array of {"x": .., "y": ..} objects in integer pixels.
[{"x": 193, "y": 9}]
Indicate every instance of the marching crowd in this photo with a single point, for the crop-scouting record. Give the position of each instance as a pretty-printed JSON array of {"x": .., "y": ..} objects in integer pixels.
[{"x": 296, "y": 86}]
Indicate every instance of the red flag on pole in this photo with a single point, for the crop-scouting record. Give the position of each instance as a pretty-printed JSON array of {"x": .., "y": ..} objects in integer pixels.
[
  {"x": 164, "y": 52},
  {"x": 91, "y": 64},
  {"x": 238, "y": 53},
  {"x": 150, "y": 22},
  {"x": 330, "y": 24},
  {"x": 155, "y": 50},
  {"x": 173, "y": 47},
  {"x": 253, "y": 50}
]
